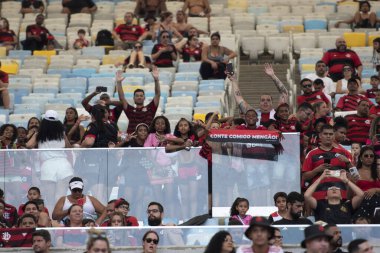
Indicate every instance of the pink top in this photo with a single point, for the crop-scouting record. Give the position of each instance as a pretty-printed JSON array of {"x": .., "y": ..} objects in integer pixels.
[
  {"x": 246, "y": 220},
  {"x": 152, "y": 140}
]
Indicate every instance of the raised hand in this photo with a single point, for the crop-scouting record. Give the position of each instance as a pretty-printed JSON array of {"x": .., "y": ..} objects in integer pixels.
[
  {"x": 155, "y": 73},
  {"x": 119, "y": 76},
  {"x": 268, "y": 69}
]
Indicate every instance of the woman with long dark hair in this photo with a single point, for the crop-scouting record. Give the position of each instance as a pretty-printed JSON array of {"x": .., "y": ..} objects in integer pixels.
[
  {"x": 369, "y": 182},
  {"x": 221, "y": 242},
  {"x": 8, "y": 136},
  {"x": 56, "y": 170},
  {"x": 71, "y": 123}
]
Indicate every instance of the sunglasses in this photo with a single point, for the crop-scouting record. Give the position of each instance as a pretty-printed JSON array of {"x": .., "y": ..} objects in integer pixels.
[
  {"x": 307, "y": 86},
  {"x": 77, "y": 190},
  {"x": 165, "y": 37},
  {"x": 124, "y": 207},
  {"x": 137, "y": 47},
  {"x": 149, "y": 240},
  {"x": 369, "y": 155}
]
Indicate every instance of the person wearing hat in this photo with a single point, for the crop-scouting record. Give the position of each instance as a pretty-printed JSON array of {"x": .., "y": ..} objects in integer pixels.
[
  {"x": 122, "y": 206},
  {"x": 91, "y": 206},
  {"x": 259, "y": 232},
  {"x": 55, "y": 167},
  {"x": 316, "y": 239},
  {"x": 333, "y": 209}
]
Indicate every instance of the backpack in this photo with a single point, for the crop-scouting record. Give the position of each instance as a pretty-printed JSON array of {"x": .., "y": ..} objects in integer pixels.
[{"x": 104, "y": 38}]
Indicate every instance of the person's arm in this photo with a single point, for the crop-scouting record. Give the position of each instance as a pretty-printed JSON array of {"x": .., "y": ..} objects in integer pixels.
[
  {"x": 157, "y": 52},
  {"x": 308, "y": 175},
  {"x": 284, "y": 94},
  {"x": 207, "y": 10},
  {"x": 86, "y": 100},
  {"x": 67, "y": 142},
  {"x": 209, "y": 122},
  {"x": 230, "y": 54},
  {"x": 58, "y": 212},
  {"x": 76, "y": 126},
  {"x": 185, "y": 6},
  {"x": 99, "y": 207},
  {"x": 157, "y": 88},
  {"x": 348, "y": 21},
  {"x": 88, "y": 142},
  {"x": 94, "y": 8},
  {"x": 115, "y": 34},
  {"x": 173, "y": 53},
  {"x": 44, "y": 220},
  {"x": 309, "y": 199},
  {"x": 32, "y": 143},
  {"x": 358, "y": 193},
  {"x": 162, "y": 6},
  {"x": 360, "y": 70},
  {"x": 119, "y": 79},
  {"x": 243, "y": 105},
  {"x": 339, "y": 87}
]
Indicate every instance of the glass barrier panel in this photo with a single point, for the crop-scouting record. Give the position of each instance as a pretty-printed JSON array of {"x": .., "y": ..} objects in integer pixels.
[
  {"x": 255, "y": 171},
  {"x": 200, "y": 235}
]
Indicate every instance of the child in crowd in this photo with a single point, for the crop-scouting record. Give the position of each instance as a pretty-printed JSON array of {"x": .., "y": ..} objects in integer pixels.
[
  {"x": 355, "y": 151},
  {"x": 21, "y": 137},
  {"x": 88, "y": 223},
  {"x": 34, "y": 194},
  {"x": 122, "y": 206},
  {"x": 280, "y": 202},
  {"x": 81, "y": 42},
  {"x": 239, "y": 211},
  {"x": 375, "y": 81}
]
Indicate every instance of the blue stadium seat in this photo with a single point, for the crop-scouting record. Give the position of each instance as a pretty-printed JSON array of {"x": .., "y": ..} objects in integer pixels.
[
  {"x": 257, "y": 10},
  {"x": 208, "y": 104},
  {"x": 73, "y": 85},
  {"x": 18, "y": 93},
  {"x": 63, "y": 72},
  {"x": 337, "y": 97},
  {"x": 187, "y": 76},
  {"x": 165, "y": 77},
  {"x": 101, "y": 81},
  {"x": 133, "y": 81},
  {"x": 27, "y": 108},
  {"x": 62, "y": 101},
  {"x": 103, "y": 74},
  {"x": 189, "y": 66},
  {"x": 45, "y": 89},
  {"x": 318, "y": 24},
  {"x": 366, "y": 86},
  {"x": 147, "y": 49},
  {"x": 19, "y": 54},
  {"x": 185, "y": 93},
  {"x": 86, "y": 72},
  {"x": 98, "y": 52}
]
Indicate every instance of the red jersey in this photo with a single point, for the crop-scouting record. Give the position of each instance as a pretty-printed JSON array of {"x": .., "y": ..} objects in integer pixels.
[
  {"x": 140, "y": 115},
  {"x": 38, "y": 30},
  {"x": 4, "y": 77},
  {"x": 10, "y": 214},
  {"x": 165, "y": 59},
  {"x": 16, "y": 237},
  {"x": 371, "y": 93},
  {"x": 314, "y": 97},
  {"x": 350, "y": 102},
  {"x": 358, "y": 128},
  {"x": 335, "y": 60},
  {"x": 129, "y": 32},
  {"x": 375, "y": 110},
  {"x": 7, "y": 36},
  {"x": 191, "y": 55},
  {"x": 317, "y": 157},
  {"x": 290, "y": 126}
]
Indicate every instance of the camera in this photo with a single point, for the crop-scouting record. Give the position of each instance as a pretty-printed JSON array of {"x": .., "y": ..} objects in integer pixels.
[{"x": 101, "y": 89}]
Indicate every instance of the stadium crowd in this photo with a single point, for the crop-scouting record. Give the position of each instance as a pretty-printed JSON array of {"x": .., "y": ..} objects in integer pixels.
[{"x": 339, "y": 155}]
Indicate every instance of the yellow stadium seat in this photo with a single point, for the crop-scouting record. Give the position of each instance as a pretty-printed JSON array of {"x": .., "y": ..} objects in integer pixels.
[
  {"x": 293, "y": 28},
  {"x": 130, "y": 88},
  {"x": 199, "y": 116},
  {"x": 371, "y": 38},
  {"x": 3, "y": 51},
  {"x": 113, "y": 59},
  {"x": 10, "y": 68},
  {"x": 47, "y": 53},
  {"x": 308, "y": 67},
  {"x": 355, "y": 39},
  {"x": 238, "y": 4}
]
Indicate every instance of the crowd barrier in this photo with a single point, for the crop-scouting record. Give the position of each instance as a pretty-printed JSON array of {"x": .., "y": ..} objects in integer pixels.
[{"x": 177, "y": 180}]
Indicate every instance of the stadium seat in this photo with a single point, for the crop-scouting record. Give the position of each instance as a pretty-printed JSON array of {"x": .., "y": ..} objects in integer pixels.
[
  {"x": 20, "y": 54},
  {"x": 98, "y": 52},
  {"x": 45, "y": 53},
  {"x": 315, "y": 24},
  {"x": 253, "y": 46},
  {"x": 3, "y": 51},
  {"x": 11, "y": 68},
  {"x": 82, "y": 72},
  {"x": 355, "y": 39},
  {"x": 303, "y": 40},
  {"x": 189, "y": 67},
  {"x": 185, "y": 86},
  {"x": 257, "y": 9},
  {"x": 187, "y": 76},
  {"x": 293, "y": 28},
  {"x": 199, "y": 116},
  {"x": 371, "y": 37},
  {"x": 18, "y": 93},
  {"x": 278, "y": 46},
  {"x": 21, "y": 119},
  {"x": 184, "y": 94}
]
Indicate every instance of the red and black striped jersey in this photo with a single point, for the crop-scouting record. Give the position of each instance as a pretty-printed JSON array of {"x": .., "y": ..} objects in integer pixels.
[{"x": 358, "y": 128}]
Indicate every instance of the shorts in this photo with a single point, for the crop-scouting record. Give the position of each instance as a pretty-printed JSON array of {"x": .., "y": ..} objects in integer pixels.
[{"x": 56, "y": 169}]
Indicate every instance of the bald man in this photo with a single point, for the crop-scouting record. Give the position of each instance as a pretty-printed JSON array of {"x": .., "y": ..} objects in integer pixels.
[{"x": 335, "y": 59}]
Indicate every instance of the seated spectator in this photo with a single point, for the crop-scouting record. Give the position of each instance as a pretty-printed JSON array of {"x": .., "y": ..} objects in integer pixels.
[
  {"x": 374, "y": 111},
  {"x": 8, "y": 38},
  {"x": 116, "y": 220},
  {"x": 90, "y": 205},
  {"x": 277, "y": 238},
  {"x": 27, "y": 221},
  {"x": 4, "y": 223},
  {"x": 192, "y": 51},
  {"x": 221, "y": 241},
  {"x": 360, "y": 245},
  {"x": 137, "y": 59},
  {"x": 78, "y": 6},
  {"x": 122, "y": 206},
  {"x": 104, "y": 219},
  {"x": 73, "y": 129},
  {"x": 239, "y": 211},
  {"x": 34, "y": 194},
  {"x": 150, "y": 242},
  {"x": 197, "y": 8},
  {"x": 9, "y": 212},
  {"x": 8, "y": 136},
  {"x": 375, "y": 81},
  {"x": 75, "y": 216},
  {"x": 4, "y": 92},
  {"x": 294, "y": 208},
  {"x": 355, "y": 151},
  {"x": 311, "y": 96},
  {"x": 31, "y": 207},
  {"x": 215, "y": 58},
  {"x": 280, "y": 202},
  {"x": 182, "y": 26},
  {"x": 126, "y": 35},
  {"x": 321, "y": 110},
  {"x": 167, "y": 24},
  {"x": 151, "y": 25},
  {"x": 318, "y": 85},
  {"x": 363, "y": 18},
  {"x": 160, "y": 134},
  {"x": 321, "y": 73},
  {"x": 21, "y": 137},
  {"x": 32, "y": 6},
  {"x": 164, "y": 53},
  {"x": 350, "y": 101},
  {"x": 341, "y": 85},
  {"x": 100, "y": 132},
  {"x": 37, "y": 36},
  {"x": 369, "y": 182},
  {"x": 41, "y": 241},
  {"x": 151, "y": 7},
  {"x": 81, "y": 41},
  {"x": 333, "y": 209},
  {"x": 359, "y": 124}
]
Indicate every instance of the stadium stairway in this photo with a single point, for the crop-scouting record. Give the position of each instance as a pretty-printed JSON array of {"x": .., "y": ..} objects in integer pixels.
[{"x": 253, "y": 81}]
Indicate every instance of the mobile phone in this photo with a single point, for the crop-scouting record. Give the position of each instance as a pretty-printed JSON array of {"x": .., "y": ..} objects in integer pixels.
[
  {"x": 230, "y": 68},
  {"x": 101, "y": 89},
  {"x": 354, "y": 171},
  {"x": 327, "y": 160},
  {"x": 334, "y": 173}
]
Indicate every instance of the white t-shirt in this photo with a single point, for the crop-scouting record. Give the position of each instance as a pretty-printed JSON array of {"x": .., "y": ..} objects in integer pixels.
[
  {"x": 248, "y": 249},
  {"x": 330, "y": 86}
]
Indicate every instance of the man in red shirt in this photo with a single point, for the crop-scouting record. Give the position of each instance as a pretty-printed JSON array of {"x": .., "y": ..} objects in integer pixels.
[
  {"x": 335, "y": 59},
  {"x": 359, "y": 124},
  {"x": 37, "y": 36},
  {"x": 326, "y": 156},
  {"x": 375, "y": 110},
  {"x": 350, "y": 101},
  {"x": 5, "y": 100},
  {"x": 126, "y": 35},
  {"x": 140, "y": 113},
  {"x": 310, "y": 96},
  {"x": 10, "y": 212}
]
